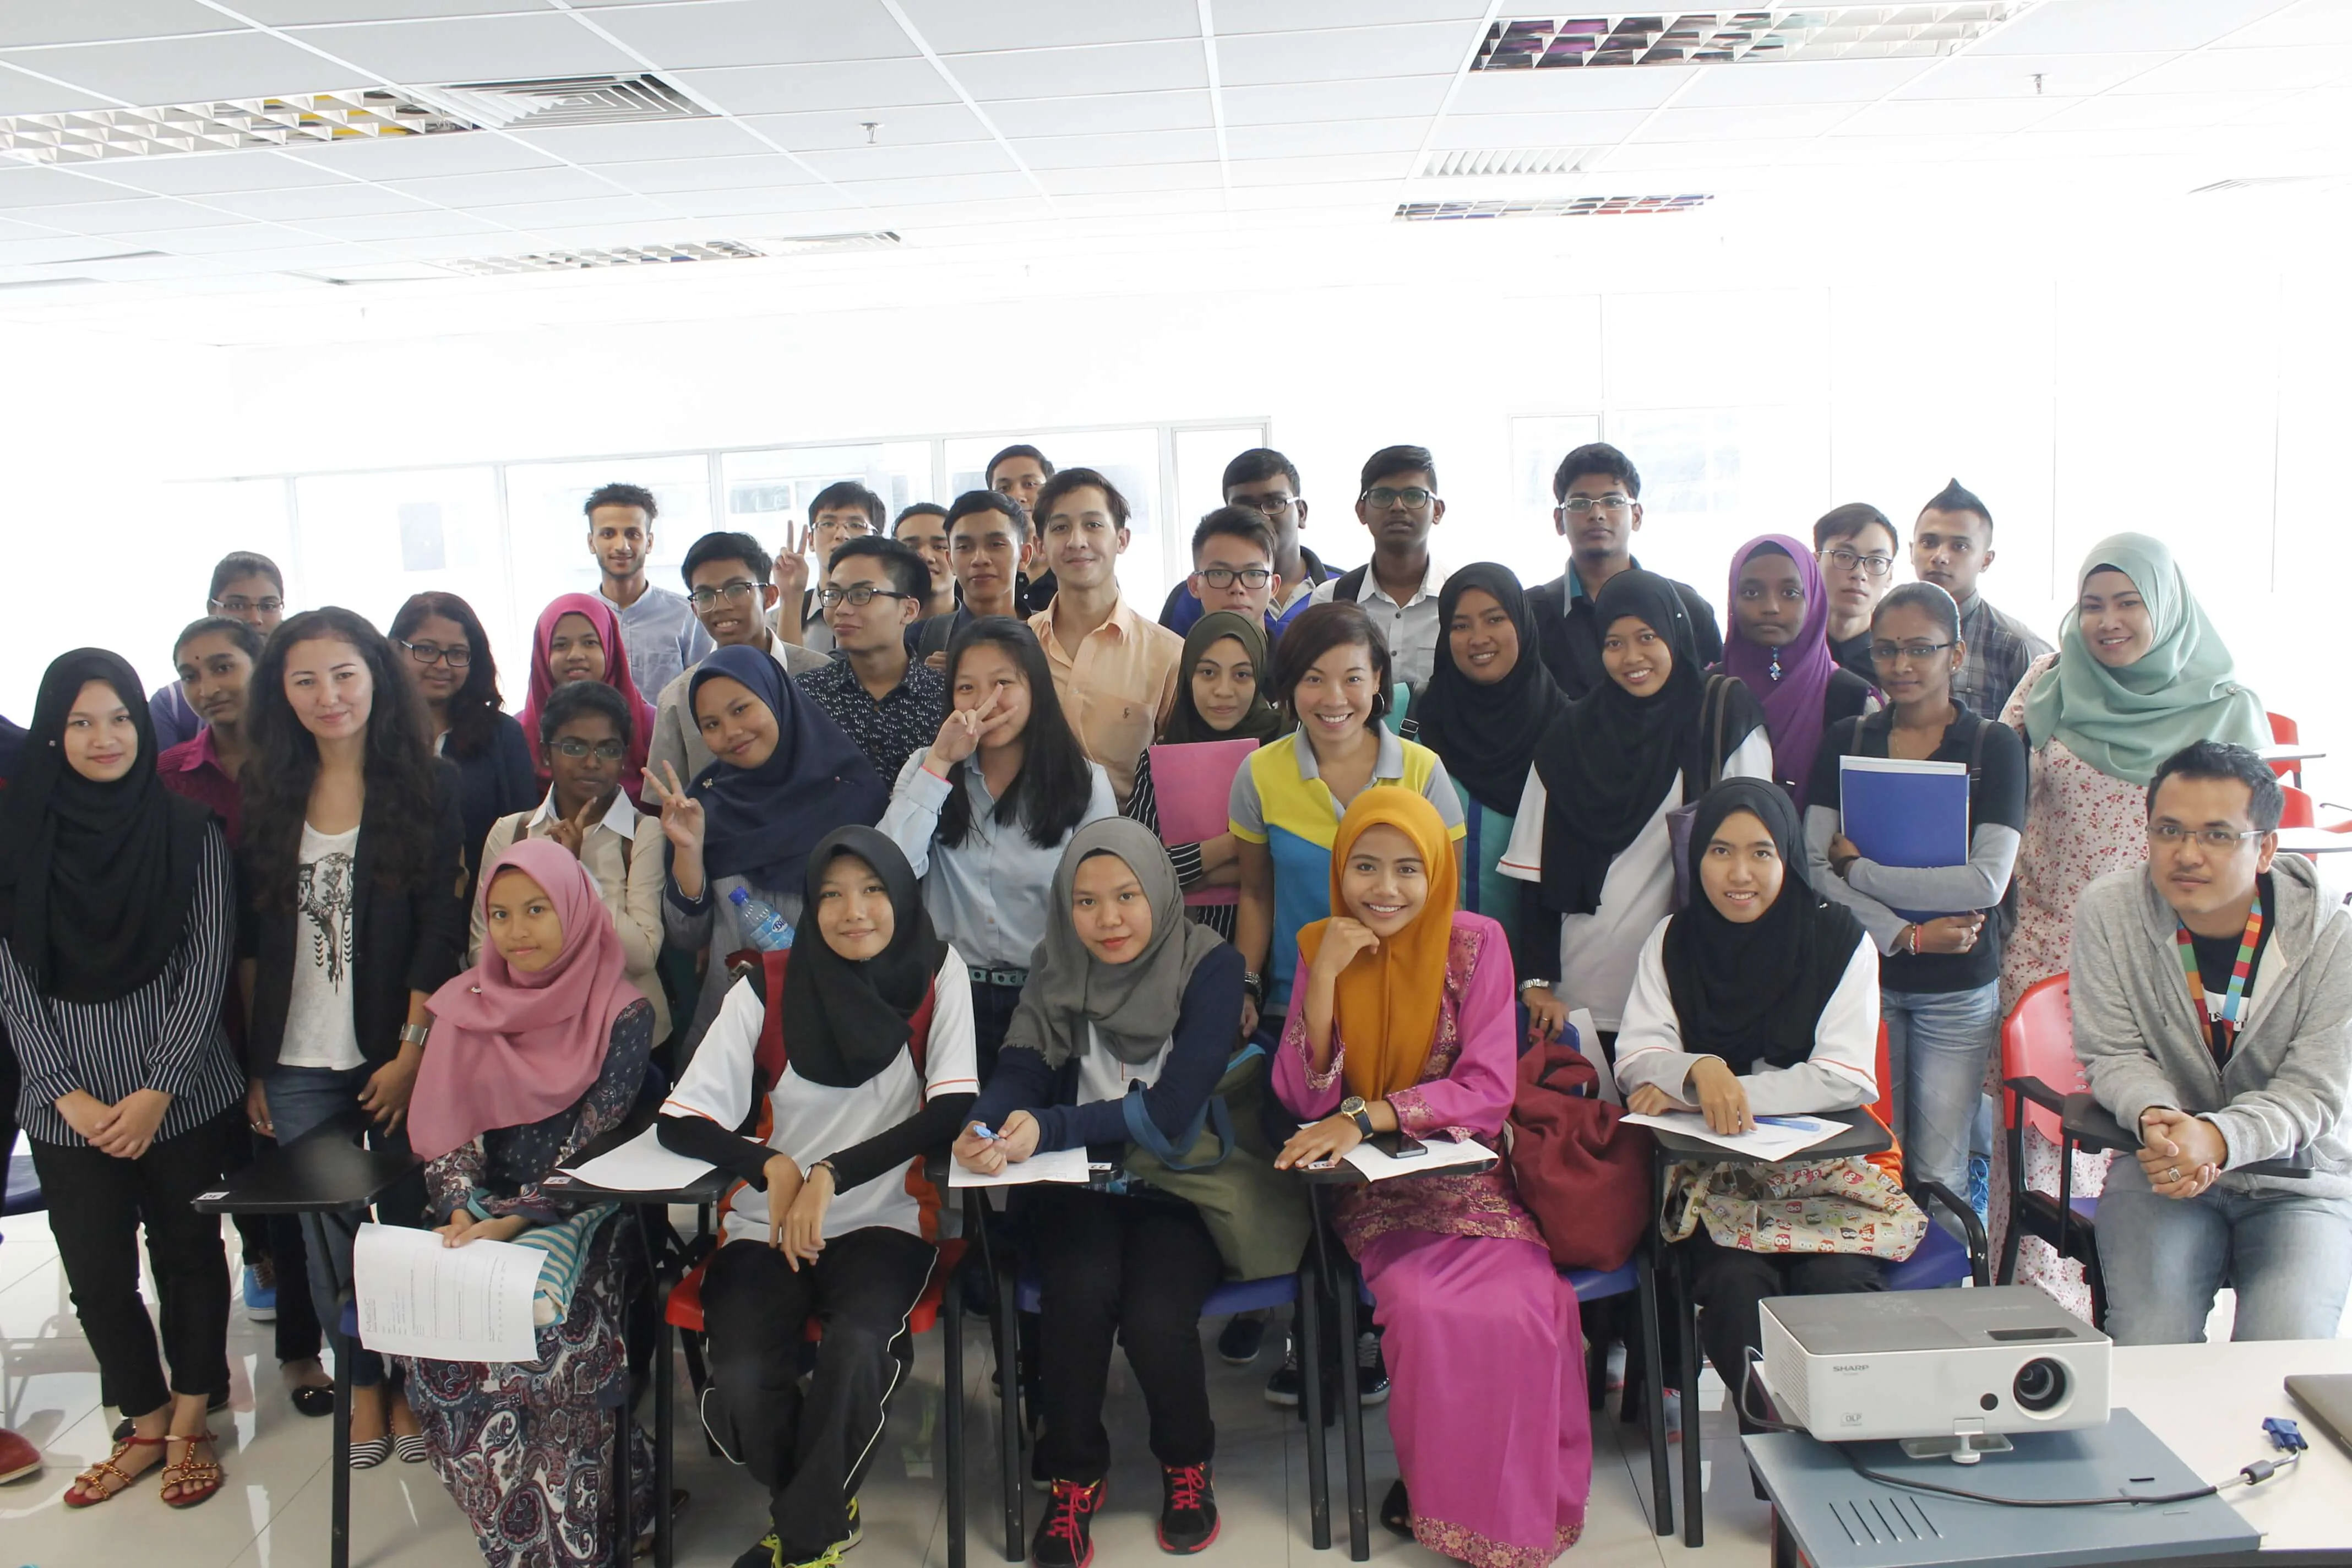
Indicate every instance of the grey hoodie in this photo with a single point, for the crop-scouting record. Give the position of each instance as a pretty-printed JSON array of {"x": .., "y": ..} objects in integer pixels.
[{"x": 2143, "y": 1044}]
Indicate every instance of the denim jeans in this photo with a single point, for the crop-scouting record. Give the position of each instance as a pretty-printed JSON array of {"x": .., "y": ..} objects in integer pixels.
[
  {"x": 2289, "y": 1257},
  {"x": 1937, "y": 1042}
]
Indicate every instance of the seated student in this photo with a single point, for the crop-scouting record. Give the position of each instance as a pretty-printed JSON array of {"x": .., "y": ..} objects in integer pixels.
[
  {"x": 584, "y": 735},
  {"x": 1779, "y": 651},
  {"x": 536, "y": 1051},
  {"x": 984, "y": 815},
  {"x": 728, "y": 588},
  {"x": 1855, "y": 548},
  {"x": 449, "y": 661},
  {"x": 884, "y": 698},
  {"x": 1759, "y": 1000},
  {"x": 1263, "y": 481},
  {"x": 923, "y": 528},
  {"x": 1130, "y": 1004},
  {"x": 1399, "y": 506},
  {"x": 840, "y": 512},
  {"x": 989, "y": 541},
  {"x": 1940, "y": 978},
  {"x": 782, "y": 775},
  {"x": 245, "y": 587},
  {"x": 1404, "y": 1023},
  {"x": 117, "y": 925},
  {"x": 2255, "y": 1067},
  {"x": 870, "y": 1068},
  {"x": 1600, "y": 510},
  {"x": 578, "y": 638}
]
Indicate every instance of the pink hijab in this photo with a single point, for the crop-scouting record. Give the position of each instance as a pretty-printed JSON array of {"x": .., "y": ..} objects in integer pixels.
[
  {"x": 508, "y": 1049},
  {"x": 600, "y": 615}
]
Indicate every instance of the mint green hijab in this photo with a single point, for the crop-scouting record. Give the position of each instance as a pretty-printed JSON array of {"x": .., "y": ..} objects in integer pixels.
[{"x": 2125, "y": 721}]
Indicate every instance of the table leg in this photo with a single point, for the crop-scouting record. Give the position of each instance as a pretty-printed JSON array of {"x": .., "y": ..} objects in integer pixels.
[
  {"x": 1652, "y": 1345},
  {"x": 1313, "y": 1273},
  {"x": 1685, "y": 1314},
  {"x": 340, "y": 1490},
  {"x": 665, "y": 1440},
  {"x": 1008, "y": 1403},
  {"x": 1351, "y": 1411},
  {"x": 951, "y": 1414}
]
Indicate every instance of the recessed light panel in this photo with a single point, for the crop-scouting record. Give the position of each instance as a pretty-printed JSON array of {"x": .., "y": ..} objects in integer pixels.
[
  {"x": 618, "y": 256},
  {"x": 569, "y": 101},
  {"x": 1741, "y": 38},
  {"x": 299, "y": 119},
  {"x": 1563, "y": 206}
]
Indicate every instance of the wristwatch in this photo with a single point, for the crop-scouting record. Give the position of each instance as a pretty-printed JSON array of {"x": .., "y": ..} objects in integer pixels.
[
  {"x": 1528, "y": 985},
  {"x": 414, "y": 1034},
  {"x": 1255, "y": 985},
  {"x": 1353, "y": 1106}
]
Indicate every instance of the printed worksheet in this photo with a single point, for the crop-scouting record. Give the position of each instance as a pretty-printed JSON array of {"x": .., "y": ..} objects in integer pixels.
[{"x": 416, "y": 1296}]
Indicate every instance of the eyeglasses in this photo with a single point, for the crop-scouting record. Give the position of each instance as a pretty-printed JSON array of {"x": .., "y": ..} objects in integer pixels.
[
  {"x": 2220, "y": 840},
  {"x": 847, "y": 525},
  {"x": 1872, "y": 565},
  {"x": 860, "y": 596},
  {"x": 1225, "y": 576},
  {"x": 1264, "y": 506},
  {"x": 1916, "y": 652},
  {"x": 1577, "y": 505},
  {"x": 1412, "y": 498},
  {"x": 238, "y": 605},
  {"x": 427, "y": 652},
  {"x": 734, "y": 593},
  {"x": 576, "y": 748}
]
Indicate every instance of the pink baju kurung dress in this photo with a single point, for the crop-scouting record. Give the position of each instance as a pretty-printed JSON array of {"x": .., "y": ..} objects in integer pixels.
[{"x": 1484, "y": 1341}]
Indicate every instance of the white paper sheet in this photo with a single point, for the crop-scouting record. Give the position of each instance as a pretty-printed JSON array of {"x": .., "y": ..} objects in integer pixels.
[
  {"x": 1443, "y": 1152},
  {"x": 640, "y": 1165},
  {"x": 416, "y": 1296},
  {"x": 1060, "y": 1165},
  {"x": 1775, "y": 1138}
]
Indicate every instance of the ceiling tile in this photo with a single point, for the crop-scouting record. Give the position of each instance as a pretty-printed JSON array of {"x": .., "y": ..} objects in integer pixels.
[
  {"x": 223, "y": 240},
  {"x": 653, "y": 139},
  {"x": 1517, "y": 92},
  {"x": 88, "y": 21},
  {"x": 1123, "y": 147},
  {"x": 2096, "y": 27},
  {"x": 488, "y": 242},
  {"x": 1952, "y": 116},
  {"x": 1001, "y": 216},
  {"x": 415, "y": 157},
  {"x": 536, "y": 215},
  {"x": 1313, "y": 101},
  {"x": 2154, "y": 111},
  {"x": 1132, "y": 178},
  {"x": 1106, "y": 68},
  {"x": 190, "y": 70},
  {"x": 1344, "y": 54},
  {"x": 1911, "y": 152},
  {"x": 956, "y": 188},
  {"x": 1348, "y": 166},
  {"x": 351, "y": 199},
  {"x": 1159, "y": 204},
  {"x": 201, "y": 173},
  {"x": 297, "y": 12},
  {"x": 767, "y": 199},
  {"x": 1457, "y": 131},
  {"x": 2310, "y": 21},
  {"x": 22, "y": 93},
  {"x": 1186, "y": 109},
  {"x": 1234, "y": 17},
  {"x": 2011, "y": 76},
  {"x": 907, "y": 125},
  {"x": 962, "y": 26},
  {"x": 1694, "y": 156},
  {"x": 2247, "y": 70},
  {"x": 758, "y": 33},
  {"x": 1402, "y": 135},
  {"x": 1740, "y": 124},
  {"x": 708, "y": 174},
  {"x": 120, "y": 217},
  {"x": 1799, "y": 81},
  {"x": 409, "y": 223},
  {"x": 305, "y": 257},
  {"x": 26, "y": 187},
  {"x": 859, "y": 164},
  {"x": 471, "y": 48},
  {"x": 520, "y": 186},
  {"x": 852, "y": 84}
]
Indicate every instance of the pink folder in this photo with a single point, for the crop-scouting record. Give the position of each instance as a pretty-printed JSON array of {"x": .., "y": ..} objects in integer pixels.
[{"x": 1193, "y": 786}]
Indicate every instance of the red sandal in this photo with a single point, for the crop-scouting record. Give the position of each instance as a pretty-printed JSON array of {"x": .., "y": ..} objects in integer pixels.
[
  {"x": 197, "y": 1479},
  {"x": 80, "y": 1494}
]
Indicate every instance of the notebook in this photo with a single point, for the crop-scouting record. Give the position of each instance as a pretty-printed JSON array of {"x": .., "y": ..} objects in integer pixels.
[
  {"x": 2327, "y": 1399},
  {"x": 1902, "y": 813},
  {"x": 1193, "y": 787}
]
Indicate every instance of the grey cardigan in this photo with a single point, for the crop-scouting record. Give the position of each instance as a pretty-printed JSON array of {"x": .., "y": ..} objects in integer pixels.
[{"x": 2143, "y": 1044}]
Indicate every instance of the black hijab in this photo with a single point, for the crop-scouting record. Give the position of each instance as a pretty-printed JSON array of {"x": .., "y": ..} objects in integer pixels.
[
  {"x": 761, "y": 822},
  {"x": 1259, "y": 721},
  {"x": 1486, "y": 734},
  {"x": 846, "y": 1019},
  {"x": 96, "y": 880},
  {"x": 1753, "y": 994}
]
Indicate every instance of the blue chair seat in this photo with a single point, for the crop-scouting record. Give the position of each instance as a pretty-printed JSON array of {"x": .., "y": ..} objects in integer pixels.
[
  {"x": 1598, "y": 1285},
  {"x": 1235, "y": 1296},
  {"x": 22, "y": 1193},
  {"x": 1942, "y": 1259}
]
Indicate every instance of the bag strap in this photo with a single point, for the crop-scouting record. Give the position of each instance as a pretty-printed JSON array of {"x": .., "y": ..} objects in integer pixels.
[
  {"x": 1213, "y": 1114},
  {"x": 1351, "y": 585},
  {"x": 1976, "y": 755},
  {"x": 1716, "y": 701}
]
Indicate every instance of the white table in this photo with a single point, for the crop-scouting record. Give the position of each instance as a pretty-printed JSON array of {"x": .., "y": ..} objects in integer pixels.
[{"x": 2289, "y": 752}]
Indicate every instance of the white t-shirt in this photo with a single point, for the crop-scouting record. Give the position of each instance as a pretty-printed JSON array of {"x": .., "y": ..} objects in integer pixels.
[
  {"x": 319, "y": 1031},
  {"x": 811, "y": 1121},
  {"x": 1102, "y": 1076}
]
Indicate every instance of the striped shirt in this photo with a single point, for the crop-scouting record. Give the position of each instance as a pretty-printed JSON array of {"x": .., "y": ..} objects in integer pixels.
[{"x": 166, "y": 1035}]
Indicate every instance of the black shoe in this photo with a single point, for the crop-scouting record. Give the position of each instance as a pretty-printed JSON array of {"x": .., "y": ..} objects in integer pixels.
[
  {"x": 1188, "y": 1508},
  {"x": 313, "y": 1400},
  {"x": 1066, "y": 1536},
  {"x": 1371, "y": 1370},
  {"x": 1283, "y": 1387},
  {"x": 1396, "y": 1511},
  {"x": 1242, "y": 1339}
]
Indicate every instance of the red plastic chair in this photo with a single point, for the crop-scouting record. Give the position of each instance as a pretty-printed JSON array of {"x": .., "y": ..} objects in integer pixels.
[
  {"x": 2040, "y": 1071},
  {"x": 2299, "y": 811},
  {"x": 2287, "y": 733}
]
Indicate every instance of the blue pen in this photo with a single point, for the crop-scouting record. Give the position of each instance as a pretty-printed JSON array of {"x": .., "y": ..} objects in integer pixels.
[
  {"x": 982, "y": 1127},
  {"x": 1801, "y": 1123}
]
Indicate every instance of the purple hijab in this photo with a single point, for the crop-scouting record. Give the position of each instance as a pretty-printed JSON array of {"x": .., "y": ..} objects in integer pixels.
[{"x": 1792, "y": 704}]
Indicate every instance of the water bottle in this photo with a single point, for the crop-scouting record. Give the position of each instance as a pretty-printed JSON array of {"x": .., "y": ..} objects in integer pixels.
[{"x": 762, "y": 926}]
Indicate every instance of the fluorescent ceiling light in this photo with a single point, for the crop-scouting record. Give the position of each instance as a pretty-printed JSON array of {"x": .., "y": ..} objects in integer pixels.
[
  {"x": 84, "y": 135},
  {"x": 1562, "y": 206},
  {"x": 1741, "y": 38},
  {"x": 618, "y": 256}
]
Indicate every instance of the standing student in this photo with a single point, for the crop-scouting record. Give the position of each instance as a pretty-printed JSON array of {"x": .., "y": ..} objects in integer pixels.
[
  {"x": 355, "y": 915},
  {"x": 838, "y": 513},
  {"x": 1114, "y": 671},
  {"x": 883, "y": 698},
  {"x": 1399, "y": 505},
  {"x": 1018, "y": 473},
  {"x": 1263, "y": 481},
  {"x": 449, "y": 661},
  {"x": 1779, "y": 649},
  {"x": 1129, "y": 1012},
  {"x": 118, "y": 910},
  {"x": 1591, "y": 832},
  {"x": 1233, "y": 566},
  {"x": 869, "y": 1069},
  {"x": 18, "y": 1457},
  {"x": 245, "y": 587},
  {"x": 1939, "y": 974},
  {"x": 659, "y": 629},
  {"x": 1600, "y": 510},
  {"x": 726, "y": 582},
  {"x": 989, "y": 542},
  {"x": 1405, "y": 1024},
  {"x": 578, "y": 638},
  {"x": 923, "y": 528},
  {"x": 1951, "y": 546},
  {"x": 1855, "y": 548},
  {"x": 538, "y": 1049}
]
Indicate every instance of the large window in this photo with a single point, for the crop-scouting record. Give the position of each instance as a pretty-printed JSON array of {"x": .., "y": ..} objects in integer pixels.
[
  {"x": 367, "y": 541},
  {"x": 547, "y": 523}
]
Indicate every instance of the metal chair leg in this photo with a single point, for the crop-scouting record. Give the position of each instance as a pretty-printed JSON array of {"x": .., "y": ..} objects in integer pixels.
[
  {"x": 1008, "y": 1398},
  {"x": 1351, "y": 1411},
  {"x": 951, "y": 1414},
  {"x": 1653, "y": 1379},
  {"x": 1311, "y": 1278},
  {"x": 1686, "y": 1312}
]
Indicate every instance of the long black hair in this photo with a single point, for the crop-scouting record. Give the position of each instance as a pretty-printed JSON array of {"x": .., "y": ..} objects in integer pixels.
[
  {"x": 475, "y": 706},
  {"x": 284, "y": 763},
  {"x": 1050, "y": 793}
]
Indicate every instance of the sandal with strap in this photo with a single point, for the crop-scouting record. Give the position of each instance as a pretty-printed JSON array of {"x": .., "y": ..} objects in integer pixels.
[
  {"x": 81, "y": 1494},
  {"x": 197, "y": 1480}
]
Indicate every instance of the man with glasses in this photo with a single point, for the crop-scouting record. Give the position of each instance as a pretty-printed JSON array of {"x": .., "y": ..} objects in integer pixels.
[
  {"x": 245, "y": 587},
  {"x": 2237, "y": 1090},
  {"x": 888, "y": 703},
  {"x": 1951, "y": 546},
  {"x": 1854, "y": 546},
  {"x": 1599, "y": 492},
  {"x": 1398, "y": 504},
  {"x": 658, "y": 628},
  {"x": 1266, "y": 482},
  {"x": 841, "y": 512},
  {"x": 728, "y": 579}
]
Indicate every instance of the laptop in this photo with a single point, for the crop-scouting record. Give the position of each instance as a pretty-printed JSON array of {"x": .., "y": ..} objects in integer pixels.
[{"x": 2328, "y": 1401}]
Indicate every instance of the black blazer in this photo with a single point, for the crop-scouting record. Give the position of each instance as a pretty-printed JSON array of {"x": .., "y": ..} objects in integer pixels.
[
  {"x": 496, "y": 782},
  {"x": 412, "y": 939},
  {"x": 1569, "y": 637}
]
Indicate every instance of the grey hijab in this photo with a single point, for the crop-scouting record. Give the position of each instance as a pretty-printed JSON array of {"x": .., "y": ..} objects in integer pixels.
[{"x": 1132, "y": 1005}]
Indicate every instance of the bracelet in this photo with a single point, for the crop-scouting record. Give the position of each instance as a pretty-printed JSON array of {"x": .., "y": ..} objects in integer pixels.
[
  {"x": 414, "y": 1034},
  {"x": 824, "y": 1165},
  {"x": 1914, "y": 939}
]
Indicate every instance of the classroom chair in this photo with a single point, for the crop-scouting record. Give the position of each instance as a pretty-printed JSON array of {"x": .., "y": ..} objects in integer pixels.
[
  {"x": 2285, "y": 732},
  {"x": 2040, "y": 1072},
  {"x": 2298, "y": 812}
]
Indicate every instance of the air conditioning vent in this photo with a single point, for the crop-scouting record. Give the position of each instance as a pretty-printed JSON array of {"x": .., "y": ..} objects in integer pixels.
[
  {"x": 619, "y": 256},
  {"x": 569, "y": 101},
  {"x": 826, "y": 244},
  {"x": 1740, "y": 37},
  {"x": 1564, "y": 206},
  {"x": 85, "y": 135},
  {"x": 1505, "y": 160}
]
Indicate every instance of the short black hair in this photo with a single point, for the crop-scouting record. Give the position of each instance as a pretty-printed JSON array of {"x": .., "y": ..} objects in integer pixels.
[
  {"x": 1596, "y": 458},
  {"x": 1928, "y": 596},
  {"x": 988, "y": 474},
  {"x": 1233, "y": 522},
  {"x": 1398, "y": 460},
  {"x": 727, "y": 546},
  {"x": 972, "y": 502},
  {"x": 239, "y": 563},
  {"x": 848, "y": 492},
  {"x": 1956, "y": 497},
  {"x": 1847, "y": 522},
  {"x": 919, "y": 509},
  {"x": 905, "y": 569},
  {"x": 1316, "y": 631},
  {"x": 1069, "y": 480},
  {"x": 622, "y": 495},
  {"x": 579, "y": 699},
  {"x": 2266, "y": 801},
  {"x": 1258, "y": 463},
  {"x": 245, "y": 634}
]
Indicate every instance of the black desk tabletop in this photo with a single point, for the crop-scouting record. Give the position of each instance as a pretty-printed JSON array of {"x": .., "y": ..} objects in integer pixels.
[
  {"x": 324, "y": 1169},
  {"x": 1864, "y": 1135}
]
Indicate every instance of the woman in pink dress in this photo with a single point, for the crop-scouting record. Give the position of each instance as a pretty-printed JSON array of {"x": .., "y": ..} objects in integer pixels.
[{"x": 1404, "y": 1020}]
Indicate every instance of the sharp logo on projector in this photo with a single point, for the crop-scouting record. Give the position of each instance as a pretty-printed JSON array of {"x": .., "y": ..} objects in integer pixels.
[{"x": 1950, "y": 1371}]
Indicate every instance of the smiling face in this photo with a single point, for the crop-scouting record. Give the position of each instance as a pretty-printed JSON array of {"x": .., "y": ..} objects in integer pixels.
[
  {"x": 1225, "y": 683},
  {"x": 1334, "y": 698},
  {"x": 1770, "y": 608},
  {"x": 100, "y": 741},
  {"x": 1742, "y": 869},
  {"x": 1109, "y": 910},
  {"x": 213, "y": 673},
  {"x": 1081, "y": 539},
  {"x": 574, "y": 651},
  {"x": 522, "y": 921},
  {"x": 622, "y": 537},
  {"x": 740, "y": 598},
  {"x": 330, "y": 687},
  {"x": 1636, "y": 657},
  {"x": 437, "y": 682},
  {"x": 736, "y": 725},
  {"x": 1482, "y": 637},
  {"x": 1385, "y": 881},
  {"x": 882, "y": 621},
  {"x": 852, "y": 910},
  {"x": 985, "y": 669},
  {"x": 2116, "y": 627}
]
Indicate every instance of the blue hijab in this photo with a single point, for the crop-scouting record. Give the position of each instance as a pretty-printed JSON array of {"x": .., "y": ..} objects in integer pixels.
[{"x": 761, "y": 822}]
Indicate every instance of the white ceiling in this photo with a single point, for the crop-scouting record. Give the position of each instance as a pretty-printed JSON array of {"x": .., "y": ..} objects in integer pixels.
[{"x": 994, "y": 118}]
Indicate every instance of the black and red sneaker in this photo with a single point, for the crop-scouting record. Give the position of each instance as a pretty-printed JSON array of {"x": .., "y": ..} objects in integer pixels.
[
  {"x": 1066, "y": 1536},
  {"x": 1188, "y": 1508}
]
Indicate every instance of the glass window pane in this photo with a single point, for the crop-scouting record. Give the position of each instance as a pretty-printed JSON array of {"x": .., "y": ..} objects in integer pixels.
[
  {"x": 1532, "y": 546},
  {"x": 550, "y": 528},
  {"x": 1713, "y": 478},
  {"x": 1201, "y": 459},
  {"x": 769, "y": 492},
  {"x": 1127, "y": 459},
  {"x": 369, "y": 541}
]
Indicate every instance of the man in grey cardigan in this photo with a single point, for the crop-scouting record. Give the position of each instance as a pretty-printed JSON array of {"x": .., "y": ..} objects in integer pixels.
[{"x": 2251, "y": 1069}]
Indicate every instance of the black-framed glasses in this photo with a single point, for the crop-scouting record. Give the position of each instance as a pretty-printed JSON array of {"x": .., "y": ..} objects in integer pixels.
[
  {"x": 1887, "y": 652},
  {"x": 2219, "y": 841},
  {"x": 1578, "y": 506},
  {"x": 858, "y": 596},
  {"x": 1225, "y": 576},
  {"x": 238, "y": 605},
  {"x": 1872, "y": 565},
  {"x": 1412, "y": 498},
  {"x": 1264, "y": 506},
  {"x": 455, "y": 655},
  {"x": 576, "y": 748},
  {"x": 734, "y": 592}
]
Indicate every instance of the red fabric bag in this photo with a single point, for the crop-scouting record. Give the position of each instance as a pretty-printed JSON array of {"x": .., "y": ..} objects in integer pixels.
[{"x": 1583, "y": 1175}]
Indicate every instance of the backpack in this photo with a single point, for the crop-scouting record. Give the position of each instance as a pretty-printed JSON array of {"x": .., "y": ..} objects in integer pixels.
[
  {"x": 767, "y": 1060},
  {"x": 1684, "y": 819}
]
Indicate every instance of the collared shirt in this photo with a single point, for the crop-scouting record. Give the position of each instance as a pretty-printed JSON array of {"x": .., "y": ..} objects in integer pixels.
[
  {"x": 1183, "y": 606},
  {"x": 1410, "y": 628},
  {"x": 662, "y": 635},
  {"x": 193, "y": 768},
  {"x": 624, "y": 850},
  {"x": 888, "y": 732},
  {"x": 2000, "y": 647},
  {"x": 1116, "y": 688},
  {"x": 678, "y": 740},
  {"x": 1573, "y": 652}
]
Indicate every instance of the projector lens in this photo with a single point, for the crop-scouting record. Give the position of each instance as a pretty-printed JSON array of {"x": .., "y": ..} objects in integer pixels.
[{"x": 2040, "y": 1386}]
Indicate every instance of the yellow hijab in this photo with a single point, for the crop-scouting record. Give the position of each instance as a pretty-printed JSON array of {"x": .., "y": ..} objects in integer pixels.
[{"x": 1386, "y": 1002}]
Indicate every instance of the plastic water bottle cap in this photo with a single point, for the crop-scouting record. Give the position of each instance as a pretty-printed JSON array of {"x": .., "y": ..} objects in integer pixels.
[{"x": 738, "y": 896}]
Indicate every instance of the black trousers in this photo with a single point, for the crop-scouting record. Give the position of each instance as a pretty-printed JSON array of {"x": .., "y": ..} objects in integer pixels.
[
  {"x": 97, "y": 1204},
  {"x": 991, "y": 1015},
  {"x": 810, "y": 1450},
  {"x": 1135, "y": 1270},
  {"x": 1727, "y": 1284}
]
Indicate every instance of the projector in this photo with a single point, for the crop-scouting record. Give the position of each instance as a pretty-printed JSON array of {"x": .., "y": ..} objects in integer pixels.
[{"x": 1950, "y": 1372}]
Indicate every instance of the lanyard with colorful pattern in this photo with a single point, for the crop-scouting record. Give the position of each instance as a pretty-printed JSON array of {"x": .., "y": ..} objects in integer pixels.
[{"x": 2234, "y": 1000}]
